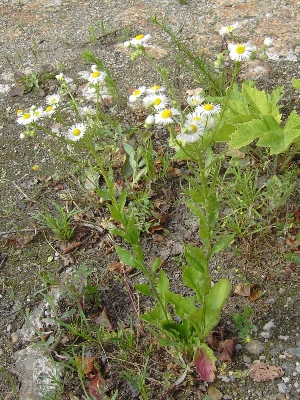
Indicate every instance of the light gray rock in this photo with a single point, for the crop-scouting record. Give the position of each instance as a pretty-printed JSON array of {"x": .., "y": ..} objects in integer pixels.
[
  {"x": 255, "y": 347},
  {"x": 37, "y": 373}
]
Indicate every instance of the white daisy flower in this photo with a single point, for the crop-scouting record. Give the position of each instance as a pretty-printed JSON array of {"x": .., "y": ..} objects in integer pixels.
[
  {"x": 53, "y": 99},
  {"x": 140, "y": 40},
  {"x": 156, "y": 89},
  {"x": 24, "y": 119},
  {"x": 97, "y": 77},
  {"x": 227, "y": 30},
  {"x": 208, "y": 109},
  {"x": 268, "y": 42},
  {"x": 36, "y": 112},
  {"x": 49, "y": 110},
  {"x": 158, "y": 101},
  {"x": 60, "y": 77},
  {"x": 76, "y": 132},
  {"x": 87, "y": 110},
  {"x": 137, "y": 94},
  {"x": 165, "y": 116},
  {"x": 195, "y": 100},
  {"x": 191, "y": 132},
  {"x": 240, "y": 51}
]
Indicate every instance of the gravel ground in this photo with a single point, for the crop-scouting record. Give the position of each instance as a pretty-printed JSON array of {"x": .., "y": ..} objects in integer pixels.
[{"x": 36, "y": 32}]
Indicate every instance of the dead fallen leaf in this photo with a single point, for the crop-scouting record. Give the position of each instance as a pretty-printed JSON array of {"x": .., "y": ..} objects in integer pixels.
[
  {"x": 119, "y": 267},
  {"x": 88, "y": 364},
  {"x": 225, "y": 350},
  {"x": 72, "y": 247},
  {"x": 255, "y": 293},
  {"x": 94, "y": 386},
  {"x": 193, "y": 92},
  {"x": 242, "y": 290},
  {"x": 174, "y": 172},
  {"x": 261, "y": 372},
  {"x": 104, "y": 320}
]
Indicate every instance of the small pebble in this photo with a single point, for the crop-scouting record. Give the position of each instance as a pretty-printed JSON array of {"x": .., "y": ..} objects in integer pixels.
[
  {"x": 255, "y": 347},
  {"x": 282, "y": 387},
  {"x": 268, "y": 326}
]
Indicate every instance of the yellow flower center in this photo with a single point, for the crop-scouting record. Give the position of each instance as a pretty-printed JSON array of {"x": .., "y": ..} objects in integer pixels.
[
  {"x": 137, "y": 92},
  {"x": 157, "y": 102},
  {"x": 139, "y": 37},
  {"x": 26, "y": 116},
  {"x": 192, "y": 128},
  {"x": 240, "y": 49},
  {"x": 166, "y": 114},
  {"x": 49, "y": 109},
  {"x": 208, "y": 107},
  {"x": 76, "y": 132},
  {"x": 229, "y": 29},
  {"x": 155, "y": 87},
  {"x": 197, "y": 118},
  {"x": 35, "y": 167},
  {"x": 96, "y": 74},
  {"x": 19, "y": 112}
]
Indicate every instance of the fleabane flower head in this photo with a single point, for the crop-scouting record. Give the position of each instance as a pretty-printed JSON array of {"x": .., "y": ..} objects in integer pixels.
[
  {"x": 208, "y": 109},
  {"x": 158, "y": 101},
  {"x": 97, "y": 76},
  {"x": 198, "y": 118},
  {"x": 191, "y": 133},
  {"x": 240, "y": 51},
  {"x": 166, "y": 116},
  {"x": 53, "y": 99},
  {"x": 137, "y": 94},
  {"x": 76, "y": 132},
  {"x": 24, "y": 118},
  {"x": 49, "y": 110},
  {"x": 195, "y": 100},
  {"x": 156, "y": 89},
  {"x": 36, "y": 112},
  {"x": 140, "y": 40},
  {"x": 227, "y": 30}
]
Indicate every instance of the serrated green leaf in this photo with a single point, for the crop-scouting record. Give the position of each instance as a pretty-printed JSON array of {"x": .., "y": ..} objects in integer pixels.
[
  {"x": 261, "y": 102},
  {"x": 198, "y": 282},
  {"x": 196, "y": 258},
  {"x": 126, "y": 257},
  {"x": 296, "y": 83},
  {"x": 143, "y": 288},
  {"x": 221, "y": 244},
  {"x": 215, "y": 301},
  {"x": 183, "y": 305},
  {"x": 246, "y": 133}
]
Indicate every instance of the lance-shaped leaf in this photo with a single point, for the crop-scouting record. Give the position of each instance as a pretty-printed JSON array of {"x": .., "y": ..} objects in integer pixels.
[
  {"x": 214, "y": 302},
  {"x": 204, "y": 361}
]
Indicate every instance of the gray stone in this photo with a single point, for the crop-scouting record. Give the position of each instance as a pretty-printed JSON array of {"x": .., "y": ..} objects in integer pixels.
[
  {"x": 255, "y": 347},
  {"x": 294, "y": 351},
  {"x": 282, "y": 387},
  {"x": 37, "y": 373}
]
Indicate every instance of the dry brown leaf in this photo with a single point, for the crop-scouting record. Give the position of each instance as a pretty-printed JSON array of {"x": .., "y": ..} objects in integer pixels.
[
  {"x": 255, "y": 293},
  {"x": 88, "y": 365},
  {"x": 193, "y": 92},
  {"x": 104, "y": 320},
  {"x": 174, "y": 172},
  {"x": 117, "y": 266},
  {"x": 242, "y": 290},
  {"x": 72, "y": 247},
  {"x": 95, "y": 385},
  {"x": 261, "y": 372},
  {"x": 225, "y": 350}
]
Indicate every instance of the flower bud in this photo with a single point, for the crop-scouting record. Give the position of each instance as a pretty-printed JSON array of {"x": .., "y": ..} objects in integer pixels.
[{"x": 268, "y": 42}]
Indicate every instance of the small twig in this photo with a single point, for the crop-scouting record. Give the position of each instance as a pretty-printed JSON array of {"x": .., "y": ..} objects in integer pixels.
[{"x": 24, "y": 194}]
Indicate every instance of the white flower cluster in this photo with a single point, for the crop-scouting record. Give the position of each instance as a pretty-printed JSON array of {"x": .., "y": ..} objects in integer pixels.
[
  {"x": 240, "y": 51},
  {"x": 96, "y": 89},
  {"x": 139, "y": 40},
  {"x": 163, "y": 113}
]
